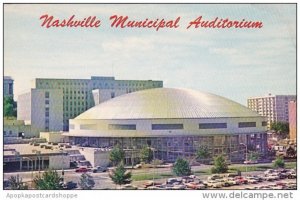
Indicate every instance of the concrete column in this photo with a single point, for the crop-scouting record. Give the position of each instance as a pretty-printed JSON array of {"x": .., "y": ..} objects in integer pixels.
[
  {"x": 35, "y": 163},
  {"x": 21, "y": 160},
  {"x": 42, "y": 162},
  {"x": 261, "y": 142}
]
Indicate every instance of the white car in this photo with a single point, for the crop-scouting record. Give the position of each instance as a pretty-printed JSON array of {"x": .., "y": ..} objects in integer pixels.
[
  {"x": 252, "y": 180},
  {"x": 214, "y": 184}
]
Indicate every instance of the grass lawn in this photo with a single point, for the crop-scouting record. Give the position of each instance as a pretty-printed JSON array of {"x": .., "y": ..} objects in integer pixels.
[{"x": 141, "y": 177}]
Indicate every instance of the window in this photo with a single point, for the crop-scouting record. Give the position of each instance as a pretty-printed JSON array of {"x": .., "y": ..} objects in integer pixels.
[
  {"x": 47, "y": 102},
  {"x": 121, "y": 126},
  {"x": 88, "y": 126},
  {"x": 166, "y": 126},
  {"x": 212, "y": 125},
  {"x": 47, "y": 114},
  {"x": 247, "y": 124},
  {"x": 47, "y": 94},
  {"x": 112, "y": 95},
  {"x": 264, "y": 123}
]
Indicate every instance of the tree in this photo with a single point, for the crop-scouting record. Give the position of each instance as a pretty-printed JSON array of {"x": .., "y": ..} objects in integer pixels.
[
  {"x": 15, "y": 183},
  {"x": 120, "y": 175},
  {"x": 9, "y": 107},
  {"x": 203, "y": 153},
  {"x": 279, "y": 162},
  {"x": 253, "y": 155},
  {"x": 220, "y": 165},
  {"x": 291, "y": 153},
  {"x": 181, "y": 167},
  {"x": 146, "y": 155},
  {"x": 281, "y": 129},
  {"x": 86, "y": 182},
  {"x": 116, "y": 155},
  {"x": 50, "y": 180}
]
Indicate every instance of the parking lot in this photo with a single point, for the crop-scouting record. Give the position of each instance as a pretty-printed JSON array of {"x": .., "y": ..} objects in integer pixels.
[{"x": 270, "y": 179}]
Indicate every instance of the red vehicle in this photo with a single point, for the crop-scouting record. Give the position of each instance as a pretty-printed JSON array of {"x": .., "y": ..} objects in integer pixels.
[
  {"x": 240, "y": 180},
  {"x": 81, "y": 169}
]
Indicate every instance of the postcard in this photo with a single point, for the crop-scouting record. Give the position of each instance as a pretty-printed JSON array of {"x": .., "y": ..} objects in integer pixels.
[{"x": 150, "y": 97}]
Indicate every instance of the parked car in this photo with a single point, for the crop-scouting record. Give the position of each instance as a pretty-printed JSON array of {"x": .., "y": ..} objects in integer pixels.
[
  {"x": 195, "y": 186},
  {"x": 179, "y": 187},
  {"x": 6, "y": 184},
  {"x": 258, "y": 178},
  {"x": 292, "y": 175},
  {"x": 251, "y": 180},
  {"x": 232, "y": 181},
  {"x": 82, "y": 169},
  {"x": 174, "y": 180},
  {"x": 241, "y": 180},
  {"x": 214, "y": 184},
  {"x": 271, "y": 177},
  {"x": 269, "y": 171},
  {"x": 250, "y": 162},
  {"x": 99, "y": 169},
  {"x": 223, "y": 182},
  {"x": 70, "y": 185}
]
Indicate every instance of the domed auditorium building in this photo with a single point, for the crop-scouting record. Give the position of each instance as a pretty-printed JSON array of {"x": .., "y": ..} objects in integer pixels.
[{"x": 173, "y": 122}]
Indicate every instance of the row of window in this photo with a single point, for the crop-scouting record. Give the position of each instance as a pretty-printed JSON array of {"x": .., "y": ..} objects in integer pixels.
[
  {"x": 180, "y": 126},
  {"x": 104, "y": 84}
]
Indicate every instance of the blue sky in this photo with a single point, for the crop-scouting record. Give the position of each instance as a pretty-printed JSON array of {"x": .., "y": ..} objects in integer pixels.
[{"x": 234, "y": 63}]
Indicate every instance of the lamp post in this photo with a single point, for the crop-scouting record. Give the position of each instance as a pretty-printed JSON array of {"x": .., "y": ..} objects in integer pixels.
[
  {"x": 246, "y": 155},
  {"x": 153, "y": 150},
  {"x": 63, "y": 163}
]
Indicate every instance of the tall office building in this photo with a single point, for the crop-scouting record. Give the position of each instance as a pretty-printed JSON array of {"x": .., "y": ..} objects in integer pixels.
[
  {"x": 8, "y": 86},
  {"x": 78, "y": 96},
  {"x": 293, "y": 120},
  {"x": 273, "y": 107},
  {"x": 42, "y": 109}
]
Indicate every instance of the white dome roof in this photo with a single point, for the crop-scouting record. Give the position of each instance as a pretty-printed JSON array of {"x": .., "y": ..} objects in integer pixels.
[{"x": 167, "y": 103}]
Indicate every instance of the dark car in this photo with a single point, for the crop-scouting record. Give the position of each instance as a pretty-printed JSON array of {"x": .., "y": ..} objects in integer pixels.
[
  {"x": 99, "y": 169},
  {"x": 70, "y": 185},
  {"x": 6, "y": 184}
]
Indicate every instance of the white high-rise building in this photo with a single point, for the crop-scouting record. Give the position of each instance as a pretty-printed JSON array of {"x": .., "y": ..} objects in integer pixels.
[
  {"x": 273, "y": 107},
  {"x": 42, "y": 109}
]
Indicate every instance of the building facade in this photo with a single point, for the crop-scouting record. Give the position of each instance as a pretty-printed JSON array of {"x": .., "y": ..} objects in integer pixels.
[
  {"x": 273, "y": 107},
  {"x": 42, "y": 109},
  {"x": 78, "y": 96},
  {"x": 8, "y": 86},
  {"x": 15, "y": 129},
  {"x": 293, "y": 121},
  {"x": 174, "y": 122}
]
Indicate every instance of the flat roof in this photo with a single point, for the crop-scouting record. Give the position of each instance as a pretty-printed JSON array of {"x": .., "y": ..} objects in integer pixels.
[{"x": 27, "y": 149}]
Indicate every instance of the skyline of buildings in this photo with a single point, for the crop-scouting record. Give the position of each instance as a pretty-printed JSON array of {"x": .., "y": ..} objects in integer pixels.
[
  {"x": 273, "y": 107},
  {"x": 78, "y": 95}
]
